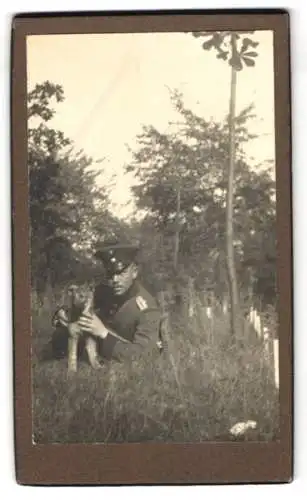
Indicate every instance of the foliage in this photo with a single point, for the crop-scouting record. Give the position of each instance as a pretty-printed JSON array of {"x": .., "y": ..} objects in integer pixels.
[
  {"x": 237, "y": 54},
  {"x": 68, "y": 211},
  {"x": 195, "y": 160}
]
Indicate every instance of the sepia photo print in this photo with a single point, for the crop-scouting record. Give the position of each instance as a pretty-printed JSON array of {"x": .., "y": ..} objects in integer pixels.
[{"x": 152, "y": 204}]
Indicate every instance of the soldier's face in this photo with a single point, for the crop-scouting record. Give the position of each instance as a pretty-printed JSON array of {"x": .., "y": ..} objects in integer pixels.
[{"x": 123, "y": 281}]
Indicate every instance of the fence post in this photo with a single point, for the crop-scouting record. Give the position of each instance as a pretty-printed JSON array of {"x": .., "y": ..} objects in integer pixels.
[
  {"x": 276, "y": 362},
  {"x": 191, "y": 306}
]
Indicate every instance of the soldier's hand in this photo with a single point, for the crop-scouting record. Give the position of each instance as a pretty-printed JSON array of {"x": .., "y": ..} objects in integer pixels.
[{"x": 90, "y": 323}]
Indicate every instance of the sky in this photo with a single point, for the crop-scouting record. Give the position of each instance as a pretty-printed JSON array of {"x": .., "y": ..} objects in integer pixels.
[{"x": 116, "y": 83}]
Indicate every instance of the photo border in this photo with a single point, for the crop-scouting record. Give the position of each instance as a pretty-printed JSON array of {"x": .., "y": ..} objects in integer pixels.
[{"x": 149, "y": 463}]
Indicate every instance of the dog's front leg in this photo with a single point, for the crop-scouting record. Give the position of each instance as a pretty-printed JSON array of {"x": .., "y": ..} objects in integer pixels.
[
  {"x": 72, "y": 353},
  {"x": 91, "y": 349},
  {"x": 73, "y": 339}
]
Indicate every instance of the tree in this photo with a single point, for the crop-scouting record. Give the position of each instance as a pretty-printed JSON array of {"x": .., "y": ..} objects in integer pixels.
[
  {"x": 68, "y": 210},
  {"x": 196, "y": 156},
  {"x": 226, "y": 45}
]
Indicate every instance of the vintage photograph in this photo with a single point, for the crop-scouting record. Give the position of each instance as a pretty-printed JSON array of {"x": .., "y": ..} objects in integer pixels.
[{"x": 152, "y": 205}]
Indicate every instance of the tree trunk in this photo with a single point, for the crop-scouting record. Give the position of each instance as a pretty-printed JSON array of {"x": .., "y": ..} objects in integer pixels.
[
  {"x": 177, "y": 228},
  {"x": 231, "y": 269}
]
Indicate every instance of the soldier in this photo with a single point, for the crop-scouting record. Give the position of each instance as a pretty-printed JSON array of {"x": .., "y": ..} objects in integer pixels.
[{"x": 126, "y": 318}]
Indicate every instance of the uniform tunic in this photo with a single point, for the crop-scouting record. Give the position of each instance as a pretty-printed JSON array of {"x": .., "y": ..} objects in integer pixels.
[{"x": 134, "y": 316}]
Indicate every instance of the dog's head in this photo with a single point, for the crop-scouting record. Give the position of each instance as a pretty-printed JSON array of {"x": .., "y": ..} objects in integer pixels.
[{"x": 80, "y": 294}]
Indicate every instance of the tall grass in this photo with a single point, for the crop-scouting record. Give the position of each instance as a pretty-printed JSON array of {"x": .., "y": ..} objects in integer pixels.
[{"x": 202, "y": 384}]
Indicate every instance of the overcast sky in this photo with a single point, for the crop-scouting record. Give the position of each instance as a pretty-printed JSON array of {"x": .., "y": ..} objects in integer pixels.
[{"x": 115, "y": 83}]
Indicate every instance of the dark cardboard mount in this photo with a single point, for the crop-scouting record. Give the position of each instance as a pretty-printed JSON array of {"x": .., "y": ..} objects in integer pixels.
[{"x": 149, "y": 463}]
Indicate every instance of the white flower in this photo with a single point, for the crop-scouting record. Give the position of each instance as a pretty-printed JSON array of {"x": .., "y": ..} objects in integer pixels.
[{"x": 241, "y": 427}]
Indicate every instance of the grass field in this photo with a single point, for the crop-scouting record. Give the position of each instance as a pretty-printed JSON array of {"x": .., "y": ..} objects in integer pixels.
[{"x": 199, "y": 387}]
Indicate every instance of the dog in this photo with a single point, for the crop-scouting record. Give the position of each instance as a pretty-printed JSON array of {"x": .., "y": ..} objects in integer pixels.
[{"x": 80, "y": 301}]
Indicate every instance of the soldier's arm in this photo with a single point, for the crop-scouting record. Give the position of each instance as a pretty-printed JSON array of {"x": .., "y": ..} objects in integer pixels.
[{"x": 146, "y": 337}]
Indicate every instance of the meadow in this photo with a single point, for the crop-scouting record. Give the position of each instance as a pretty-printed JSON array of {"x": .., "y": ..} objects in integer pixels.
[{"x": 195, "y": 390}]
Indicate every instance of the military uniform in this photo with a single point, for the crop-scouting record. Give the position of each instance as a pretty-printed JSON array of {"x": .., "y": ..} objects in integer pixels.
[{"x": 134, "y": 317}]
